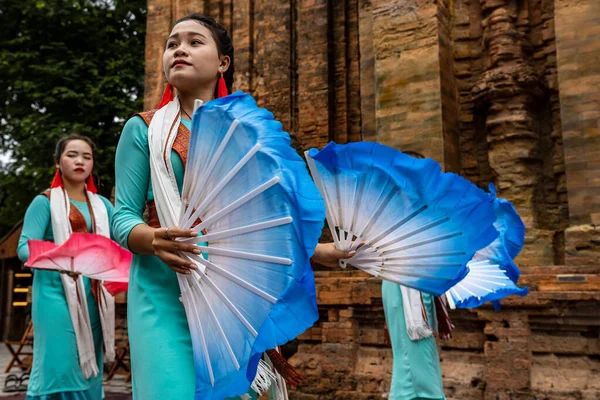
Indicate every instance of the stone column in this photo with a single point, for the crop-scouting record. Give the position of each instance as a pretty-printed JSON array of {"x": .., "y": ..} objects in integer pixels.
[
  {"x": 508, "y": 92},
  {"x": 578, "y": 53},
  {"x": 411, "y": 43}
]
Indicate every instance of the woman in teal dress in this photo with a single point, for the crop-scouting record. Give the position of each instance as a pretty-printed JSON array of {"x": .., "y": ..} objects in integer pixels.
[
  {"x": 198, "y": 53},
  {"x": 56, "y": 373},
  {"x": 416, "y": 373}
]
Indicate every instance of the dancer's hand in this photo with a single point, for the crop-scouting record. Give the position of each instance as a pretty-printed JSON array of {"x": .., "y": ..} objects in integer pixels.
[
  {"x": 73, "y": 275},
  {"x": 167, "y": 248},
  {"x": 327, "y": 255}
]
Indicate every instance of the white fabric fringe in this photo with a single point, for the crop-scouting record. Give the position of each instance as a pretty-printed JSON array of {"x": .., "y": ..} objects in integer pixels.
[{"x": 264, "y": 378}]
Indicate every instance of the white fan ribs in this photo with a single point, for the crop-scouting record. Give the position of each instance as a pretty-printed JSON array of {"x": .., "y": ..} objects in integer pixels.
[
  {"x": 390, "y": 210},
  {"x": 424, "y": 242},
  {"x": 220, "y": 186},
  {"x": 483, "y": 278},
  {"x": 245, "y": 255},
  {"x": 413, "y": 233},
  {"x": 330, "y": 207},
  {"x": 197, "y": 186},
  {"x": 220, "y": 329},
  {"x": 194, "y": 321},
  {"x": 202, "y": 193},
  {"x": 236, "y": 204},
  {"x": 235, "y": 279},
  {"x": 385, "y": 201},
  {"x": 395, "y": 227},
  {"x": 240, "y": 231},
  {"x": 231, "y": 306}
]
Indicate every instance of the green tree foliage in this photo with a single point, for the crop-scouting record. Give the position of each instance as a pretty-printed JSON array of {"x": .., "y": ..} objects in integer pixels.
[{"x": 66, "y": 66}]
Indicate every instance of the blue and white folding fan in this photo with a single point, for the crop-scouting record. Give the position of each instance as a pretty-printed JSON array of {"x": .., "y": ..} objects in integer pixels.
[
  {"x": 417, "y": 225},
  {"x": 261, "y": 215},
  {"x": 492, "y": 272}
]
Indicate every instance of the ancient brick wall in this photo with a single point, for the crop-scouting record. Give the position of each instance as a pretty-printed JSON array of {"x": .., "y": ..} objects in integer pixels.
[
  {"x": 301, "y": 60},
  {"x": 543, "y": 346},
  {"x": 502, "y": 91},
  {"x": 318, "y": 98},
  {"x": 578, "y": 51},
  {"x": 510, "y": 127}
]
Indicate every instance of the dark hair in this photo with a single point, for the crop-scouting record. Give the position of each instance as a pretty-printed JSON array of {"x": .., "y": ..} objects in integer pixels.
[
  {"x": 222, "y": 39},
  {"x": 63, "y": 141},
  {"x": 414, "y": 154}
]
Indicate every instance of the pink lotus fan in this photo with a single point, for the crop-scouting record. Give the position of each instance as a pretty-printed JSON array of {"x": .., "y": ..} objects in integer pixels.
[{"x": 91, "y": 255}]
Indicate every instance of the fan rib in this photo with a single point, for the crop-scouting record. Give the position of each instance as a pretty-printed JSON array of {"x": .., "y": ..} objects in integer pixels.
[
  {"x": 219, "y": 328},
  {"x": 392, "y": 278},
  {"x": 450, "y": 301},
  {"x": 357, "y": 205},
  {"x": 58, "y": 267},
  {"x": 482, "y": 264},
  {"x": 240, "y": 230},
  {"x": 245, "y": 255},
  {"x": 329, "y": 216},
  {"x": 204, "y": 347},
  {"x": 236, "y": 279},
  {"x": 396, "y": 225},
  {"x": 415, "y": 232},
  {"x": 477, "y": 279},
  {"x": 194, "y": 325},
  {"x": 488, "y": 274},
  {"x": 466, "y": 289},
  {"x": 196, "y": 192},
  {"x": 423, "y": 243},
  {"x": 371, "y": 222},
  {"x": 236, "y": 204},
  {"x": 474, "y": 285},
  {"x": 339, "y": 208},
  {"x": 348, "y": 197},
  {"x": 217, "y": 189},
  {"x": 400, "y": 266},
  {"x": 434, "y": 255},
  {"x": 381, "y": 272},
  {"x": 456, "y": 294},
  {"x": 231, "y": 306}
]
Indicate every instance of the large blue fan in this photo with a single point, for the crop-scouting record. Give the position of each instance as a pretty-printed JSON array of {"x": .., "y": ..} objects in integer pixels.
[
  {"x": 261, "y": 215},
  {"x": 492, "y": 272},
  {"x": 409, "y": 222}
]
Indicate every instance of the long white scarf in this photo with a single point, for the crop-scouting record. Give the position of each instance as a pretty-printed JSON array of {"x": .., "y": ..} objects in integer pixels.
[
  {"x": 414, "y": 314},
  {"x": 60, "y": 207},
  {"x": 162, "y": 132}
]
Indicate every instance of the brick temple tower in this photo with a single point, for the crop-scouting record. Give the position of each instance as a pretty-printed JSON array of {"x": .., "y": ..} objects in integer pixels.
[{"x": 500, "y": 91}]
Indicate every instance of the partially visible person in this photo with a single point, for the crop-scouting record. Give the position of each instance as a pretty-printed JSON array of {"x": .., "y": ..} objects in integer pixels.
[
  {"x": 66, "y": 365},
  {"x": 416, "y": 371},
  {"x": 198, "y": 62}
]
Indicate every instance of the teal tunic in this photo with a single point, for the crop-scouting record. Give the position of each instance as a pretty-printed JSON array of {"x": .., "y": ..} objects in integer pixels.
[
  {"x": 416, "y": 371},
  {"x": 159, "y": 338},
  {"x": 56, "y": 373}
]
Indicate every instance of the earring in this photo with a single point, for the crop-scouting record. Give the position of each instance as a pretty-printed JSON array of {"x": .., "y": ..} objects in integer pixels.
[
  {"x": 57, "y": 181},
  {"x": 90, "y": 186},
  {"x": 222, "y": 86},
  {"x": 167, "y": 96}
]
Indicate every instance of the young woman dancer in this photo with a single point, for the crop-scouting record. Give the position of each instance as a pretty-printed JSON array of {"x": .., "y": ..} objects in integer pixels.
[
  {"x": 198, "y": 61},
  {"x": 68, "y": 345},
  {"x": 416, "y": 373}
]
